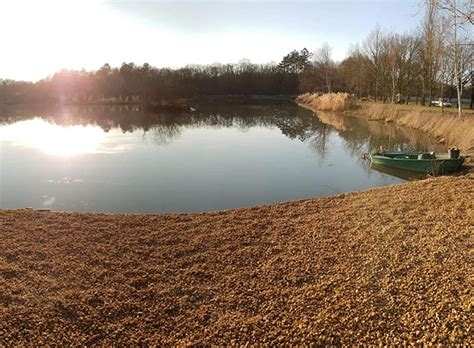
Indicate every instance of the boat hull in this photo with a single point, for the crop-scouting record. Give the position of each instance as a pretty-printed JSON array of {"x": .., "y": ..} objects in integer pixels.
[{"x": 442, "y": 164}]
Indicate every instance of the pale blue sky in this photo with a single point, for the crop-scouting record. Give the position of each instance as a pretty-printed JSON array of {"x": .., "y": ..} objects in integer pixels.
[{"x": 45, "y": 36}]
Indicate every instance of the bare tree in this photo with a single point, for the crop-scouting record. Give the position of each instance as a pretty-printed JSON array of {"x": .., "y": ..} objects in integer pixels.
[
  {"x": 409, "y": 59},
  {"x": 324, "y": 62},
  {"x": 431, "y": 49},
  {"x": 463, "y": 9},
  {"x": 458, "y": 13},
  {"x": 373, "y": 47},
  {"x": 353, "y": 72}
]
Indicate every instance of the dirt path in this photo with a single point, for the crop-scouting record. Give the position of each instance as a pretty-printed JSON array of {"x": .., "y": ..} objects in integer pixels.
[{"x": 387, "y": 265}]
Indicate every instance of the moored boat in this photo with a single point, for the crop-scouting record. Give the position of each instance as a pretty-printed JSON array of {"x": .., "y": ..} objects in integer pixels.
[{"x": 428, "y": 163}]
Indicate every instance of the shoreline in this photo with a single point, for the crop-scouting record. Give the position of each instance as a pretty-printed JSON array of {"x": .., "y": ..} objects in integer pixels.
[
  {"x": 358, "y": 268},
  {"x": 446, "y": 127},
  {"x": 382, "y": 266}
]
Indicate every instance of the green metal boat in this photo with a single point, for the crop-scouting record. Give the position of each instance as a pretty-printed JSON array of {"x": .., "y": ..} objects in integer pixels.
[{"x": 432, "y": 163}]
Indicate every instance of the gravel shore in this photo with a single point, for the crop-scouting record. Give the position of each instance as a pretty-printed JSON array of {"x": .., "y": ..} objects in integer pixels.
[{"x": 383, "y": 266}]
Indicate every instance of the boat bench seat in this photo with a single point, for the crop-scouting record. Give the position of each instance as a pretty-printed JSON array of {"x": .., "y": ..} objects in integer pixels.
[{"x": 426, "y": 156}]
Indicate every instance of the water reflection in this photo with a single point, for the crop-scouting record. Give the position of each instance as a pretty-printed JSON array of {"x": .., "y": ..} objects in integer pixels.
[
  {"x": 399, "y": 173},
  {"x": 78, "y": 130},
  {"x": 222, "y": 156},
  {"x": 53, "y": 139},
  {"x": 363, "y": 136}
]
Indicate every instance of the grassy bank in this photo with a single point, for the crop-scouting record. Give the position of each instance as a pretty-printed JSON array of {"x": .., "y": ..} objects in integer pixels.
[
  {"x": 447, "y": 127},
  {"x": 362, "y": 268}
]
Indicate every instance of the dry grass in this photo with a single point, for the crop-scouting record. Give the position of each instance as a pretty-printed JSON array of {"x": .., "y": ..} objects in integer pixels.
[
  {"x": 447, "y": 127},
  {"x": 327, "y": 102},
  {"x": 355, "y": 269}
]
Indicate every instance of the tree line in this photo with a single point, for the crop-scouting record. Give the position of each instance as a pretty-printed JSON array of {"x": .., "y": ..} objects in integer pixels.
[
  {"x": 434, "y": 61},
  {"x": 138, "y": 83}
]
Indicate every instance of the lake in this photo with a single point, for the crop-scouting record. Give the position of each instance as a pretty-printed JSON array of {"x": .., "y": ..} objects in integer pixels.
[{"x": 223, "y": 155}]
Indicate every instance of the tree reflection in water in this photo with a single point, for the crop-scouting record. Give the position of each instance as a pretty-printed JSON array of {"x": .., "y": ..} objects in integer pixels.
[{"x": 359, "y": 135}]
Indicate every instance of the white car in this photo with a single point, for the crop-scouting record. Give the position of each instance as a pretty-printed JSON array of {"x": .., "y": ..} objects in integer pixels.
[{"x": 440, "y": 103}]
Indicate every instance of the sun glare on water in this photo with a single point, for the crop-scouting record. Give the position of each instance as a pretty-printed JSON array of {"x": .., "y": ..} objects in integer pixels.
[{"x": 55, "y": 140}]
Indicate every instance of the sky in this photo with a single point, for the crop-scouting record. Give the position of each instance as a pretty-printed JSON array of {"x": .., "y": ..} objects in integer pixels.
[{"x": 40, "y": 37}]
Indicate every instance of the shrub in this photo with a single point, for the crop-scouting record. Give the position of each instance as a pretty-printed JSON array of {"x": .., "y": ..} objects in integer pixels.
[{"x": 328, "y": 101}]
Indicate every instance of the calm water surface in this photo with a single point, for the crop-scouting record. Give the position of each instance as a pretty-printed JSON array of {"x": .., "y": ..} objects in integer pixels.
[{"x": 221, "y": 156}]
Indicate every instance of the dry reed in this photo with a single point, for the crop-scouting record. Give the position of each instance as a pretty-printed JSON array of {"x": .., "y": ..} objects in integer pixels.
[
  {"x": 328, "y": 102},
  {"x": 448, "y": 128}
]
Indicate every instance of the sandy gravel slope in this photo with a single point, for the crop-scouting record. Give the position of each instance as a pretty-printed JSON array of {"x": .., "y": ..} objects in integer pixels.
[{"x": 380, "y": 266}]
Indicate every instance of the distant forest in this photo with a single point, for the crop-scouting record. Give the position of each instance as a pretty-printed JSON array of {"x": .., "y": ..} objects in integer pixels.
[{"x": 434, "y": 61}]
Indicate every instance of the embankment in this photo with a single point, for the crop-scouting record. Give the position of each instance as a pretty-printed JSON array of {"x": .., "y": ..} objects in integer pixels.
[
  {"x": 446, "y": 127},
  {"x": 360, "y": 268}
]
